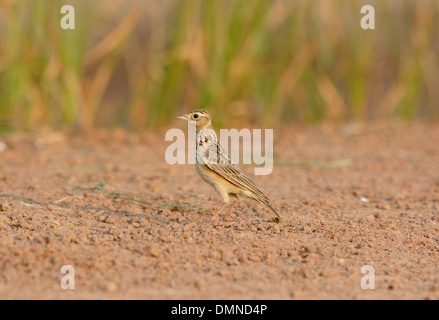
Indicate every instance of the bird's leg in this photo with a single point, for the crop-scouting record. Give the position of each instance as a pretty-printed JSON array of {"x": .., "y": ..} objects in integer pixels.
[
  {"x": 231, "y": 207},
  {"x": 216, "y": 213}
]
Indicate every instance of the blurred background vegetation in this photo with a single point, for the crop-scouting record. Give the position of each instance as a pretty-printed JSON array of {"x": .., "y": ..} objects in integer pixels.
[{"x": 136, "y": 64}]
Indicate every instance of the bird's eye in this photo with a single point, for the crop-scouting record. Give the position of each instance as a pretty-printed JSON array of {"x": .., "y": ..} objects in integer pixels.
[{"x": 196, "y": 116}]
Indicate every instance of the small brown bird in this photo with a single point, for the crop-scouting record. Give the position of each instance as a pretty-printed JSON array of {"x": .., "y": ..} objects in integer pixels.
[{"x": 215, "y": 167}]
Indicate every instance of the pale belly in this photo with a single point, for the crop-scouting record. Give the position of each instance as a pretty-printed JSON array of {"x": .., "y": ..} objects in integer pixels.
[
  {"x": 224, "y": 188},
  {"x": 205, "y": 175}
]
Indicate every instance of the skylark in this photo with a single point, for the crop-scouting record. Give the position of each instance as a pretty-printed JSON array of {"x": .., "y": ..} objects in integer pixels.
[{"x": 215, "y": 167}]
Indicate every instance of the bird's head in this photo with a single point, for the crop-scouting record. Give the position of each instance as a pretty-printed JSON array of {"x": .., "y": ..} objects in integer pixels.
[{"x": 202, "y": 118}]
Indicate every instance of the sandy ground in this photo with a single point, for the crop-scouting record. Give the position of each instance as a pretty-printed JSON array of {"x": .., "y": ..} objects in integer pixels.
[{"x": 350, "y": 196}]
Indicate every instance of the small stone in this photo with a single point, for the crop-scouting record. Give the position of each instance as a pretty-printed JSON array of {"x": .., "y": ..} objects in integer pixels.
[
  {"x": 310, "y": 274},
  {"x": 296, "y": 294},
  {"x": 153, "y": 250},
  {"x": 276, "y": 229},
  {"x": 171, "y": 170},
  {"x": 326, "y": 273},
  {"x": 334, "y": 236},
  {"x": 392, "y": 226},
  {"x": 253, "y": 258},
  {"x": 200, "y": 283},
  {"x": 383, "y": 206},
  {"x": 111, "y": 287},
  {"x": 4, "y": 206},
  {"x": 214, "y": 254}
]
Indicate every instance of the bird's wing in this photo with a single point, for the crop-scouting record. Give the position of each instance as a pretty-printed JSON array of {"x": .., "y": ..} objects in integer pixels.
[{"x": 210, "y": 153}]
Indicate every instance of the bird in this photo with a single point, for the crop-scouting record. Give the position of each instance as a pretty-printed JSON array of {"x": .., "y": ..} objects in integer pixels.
[{"x": 215, "y": 167}]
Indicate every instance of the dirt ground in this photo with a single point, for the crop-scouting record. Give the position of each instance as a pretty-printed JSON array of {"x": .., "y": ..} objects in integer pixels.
[{"x": 350, "y": 196}]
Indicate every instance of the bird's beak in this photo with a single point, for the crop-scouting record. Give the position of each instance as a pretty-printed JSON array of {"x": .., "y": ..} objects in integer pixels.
[{"x": 183, "y": 117}]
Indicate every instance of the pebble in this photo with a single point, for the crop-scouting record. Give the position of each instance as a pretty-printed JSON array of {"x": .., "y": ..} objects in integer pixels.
[
  {"x": 50, "y": 207},
  {"x": 296, "y": 294},
  {"x": 153, "y": 250},
  {"x": 383, "y": 206},
  {"x": 310, "y": 274},
  {"x": 111, "y": 287},
  {"x": 253, "y": 258},
  {"x": 214, "y": 254},
  {"x": 4, "y": 206},
  {"x": 375, "y": 225},
  {"x": 391, "y": 226},
  {"x": 200, "y": 283}
]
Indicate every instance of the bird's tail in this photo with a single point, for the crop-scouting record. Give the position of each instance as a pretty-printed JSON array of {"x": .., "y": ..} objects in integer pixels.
[{"x": 266, "y": 203}]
